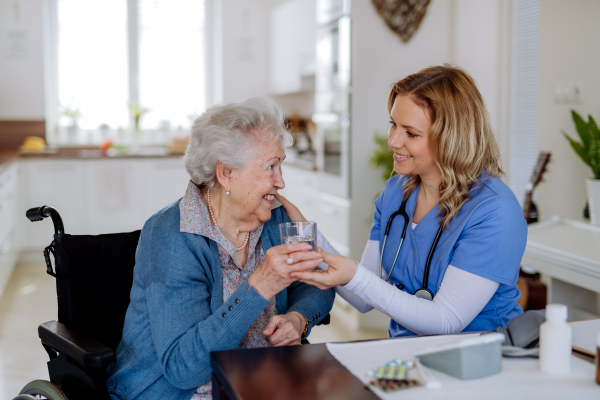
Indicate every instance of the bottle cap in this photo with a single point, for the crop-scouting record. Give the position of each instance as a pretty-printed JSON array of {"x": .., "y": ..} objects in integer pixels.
[{"x": 556, "y": 312}]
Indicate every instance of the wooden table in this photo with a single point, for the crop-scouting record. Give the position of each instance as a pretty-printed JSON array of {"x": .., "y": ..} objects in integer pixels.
[
  {"x": 309, "y": 372},
  {"x": 286, "y": 373}
]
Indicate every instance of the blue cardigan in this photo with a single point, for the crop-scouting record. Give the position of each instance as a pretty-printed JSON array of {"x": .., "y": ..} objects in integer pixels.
[{"x": 177, "y": 316}]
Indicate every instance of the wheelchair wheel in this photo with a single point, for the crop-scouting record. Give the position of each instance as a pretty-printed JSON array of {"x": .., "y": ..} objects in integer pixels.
[{"x": 43, "y": 390}]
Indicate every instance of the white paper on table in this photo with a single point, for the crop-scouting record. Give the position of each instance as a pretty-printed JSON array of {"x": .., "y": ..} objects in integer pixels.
[
  {"x": 520, "y": 377},
  {"x": 585, "y": 334},
  {"x": 361, "y": 357}
]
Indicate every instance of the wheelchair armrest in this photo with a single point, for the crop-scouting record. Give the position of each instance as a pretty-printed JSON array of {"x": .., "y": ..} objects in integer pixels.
[{"x": 75, "y": 345}]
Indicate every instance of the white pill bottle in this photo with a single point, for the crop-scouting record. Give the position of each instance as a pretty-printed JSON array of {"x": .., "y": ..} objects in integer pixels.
[{"x": 555, "y": 341}]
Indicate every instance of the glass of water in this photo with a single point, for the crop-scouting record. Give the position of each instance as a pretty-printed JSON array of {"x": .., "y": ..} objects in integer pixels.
[{"x": 299, "y": 232}]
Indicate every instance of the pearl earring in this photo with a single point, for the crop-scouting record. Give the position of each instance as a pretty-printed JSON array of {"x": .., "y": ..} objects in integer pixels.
[{"x": 227, "y": 193}]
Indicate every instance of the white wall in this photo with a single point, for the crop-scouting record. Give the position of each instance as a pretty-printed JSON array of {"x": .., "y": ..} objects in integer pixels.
[
  {"x": 245, "y": 48},
  {"x": 22, "y": 80},
  {"x": 468, "y": 33},
  {"x": 246, "y": 55},
  {"x": 569, "y": 52},
  {"x": 380, "y": 58},
  {"x": 481, "y": 46}
]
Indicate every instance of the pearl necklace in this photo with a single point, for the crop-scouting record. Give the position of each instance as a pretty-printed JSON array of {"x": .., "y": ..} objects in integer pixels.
[{"x": 214, "y": 220}]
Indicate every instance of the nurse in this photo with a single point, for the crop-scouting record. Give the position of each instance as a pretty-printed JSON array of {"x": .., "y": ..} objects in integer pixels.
[{"x": 455, "y": 267}]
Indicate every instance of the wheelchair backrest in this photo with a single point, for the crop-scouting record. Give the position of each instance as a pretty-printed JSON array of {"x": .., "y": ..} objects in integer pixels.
[{"x": 94, "y": 275}]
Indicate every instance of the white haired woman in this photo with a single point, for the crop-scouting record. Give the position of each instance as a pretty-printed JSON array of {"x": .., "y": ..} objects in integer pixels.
[{"x": 210, "y": 271}]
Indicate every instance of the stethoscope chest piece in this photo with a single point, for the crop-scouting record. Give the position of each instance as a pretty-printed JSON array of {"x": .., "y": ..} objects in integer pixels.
[{"x": 424, "y": 294}]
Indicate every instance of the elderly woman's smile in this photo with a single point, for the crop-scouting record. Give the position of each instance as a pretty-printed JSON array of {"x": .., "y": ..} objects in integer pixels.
[{"x": 252, "y": 190}]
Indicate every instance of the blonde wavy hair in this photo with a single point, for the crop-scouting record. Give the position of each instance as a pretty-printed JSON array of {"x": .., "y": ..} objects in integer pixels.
[{"x": 461, "y": 140}]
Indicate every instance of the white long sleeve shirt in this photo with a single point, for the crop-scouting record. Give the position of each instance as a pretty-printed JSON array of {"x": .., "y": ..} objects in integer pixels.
[{"x": 460, "y": 298}]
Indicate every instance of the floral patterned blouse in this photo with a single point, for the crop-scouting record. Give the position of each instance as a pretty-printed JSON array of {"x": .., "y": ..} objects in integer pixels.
[{"x": 195, "y": 219}]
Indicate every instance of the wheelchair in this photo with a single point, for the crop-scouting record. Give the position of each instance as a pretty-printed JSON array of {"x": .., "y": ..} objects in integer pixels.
[{"x": 94, "y": 276}]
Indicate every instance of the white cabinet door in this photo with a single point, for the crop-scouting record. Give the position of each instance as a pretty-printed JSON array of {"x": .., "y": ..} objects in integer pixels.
[
  {"x": 125, "y": 193},
  {"x": 115, "y": 195},
  {"x": 97, "y": 196},
  {"x": 8, "y": 205},
  {"x": 56, "y": 183},
  {"x": 331, "y": 214},
  {"x": 293, "y": 29},
  {"x": 164, "y": 181},
  {"x": 8, "y": 199}
]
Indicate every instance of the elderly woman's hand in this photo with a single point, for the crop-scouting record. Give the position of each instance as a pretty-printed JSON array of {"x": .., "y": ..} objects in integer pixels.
[
  {"x": 285, "y": 329},
  {"x": 273, "y": 274},
  {"x": 290, "y": 209}
]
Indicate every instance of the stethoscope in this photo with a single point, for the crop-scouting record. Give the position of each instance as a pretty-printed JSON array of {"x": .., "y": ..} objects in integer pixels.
[{"x": 422, "y": 292}]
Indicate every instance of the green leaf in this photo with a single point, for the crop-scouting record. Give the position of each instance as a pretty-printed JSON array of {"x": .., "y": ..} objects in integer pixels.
[
  {"x": 582, "y": 129},
  {"x": 383, "y": 156},
  {"x": 579, "y": 149},
  {"x": 594, "y": 150},
  {"x": 596, "y": 171}
]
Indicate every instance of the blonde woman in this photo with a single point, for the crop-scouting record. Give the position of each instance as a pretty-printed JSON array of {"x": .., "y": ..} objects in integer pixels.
[{"x": 448, "y": 235}]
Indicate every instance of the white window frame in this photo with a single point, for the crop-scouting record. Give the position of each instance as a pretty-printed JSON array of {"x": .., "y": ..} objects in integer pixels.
[{"x": 213, "y": 58}]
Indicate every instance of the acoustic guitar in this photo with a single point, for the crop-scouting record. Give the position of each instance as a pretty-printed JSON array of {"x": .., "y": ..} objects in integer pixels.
[
  {"x": 529, "y": 208},
  {"x": 533, "y": 291}
]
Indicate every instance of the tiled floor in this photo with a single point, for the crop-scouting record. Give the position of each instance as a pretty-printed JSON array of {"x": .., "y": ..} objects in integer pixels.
[{"x": 30, "y": 299}]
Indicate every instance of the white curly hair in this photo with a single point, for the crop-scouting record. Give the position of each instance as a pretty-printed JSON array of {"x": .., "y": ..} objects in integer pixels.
[{"x": 230, "y": 133}]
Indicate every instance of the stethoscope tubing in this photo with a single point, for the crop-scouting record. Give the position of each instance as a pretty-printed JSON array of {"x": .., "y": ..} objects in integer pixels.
[{"x": 402, "y": 211}]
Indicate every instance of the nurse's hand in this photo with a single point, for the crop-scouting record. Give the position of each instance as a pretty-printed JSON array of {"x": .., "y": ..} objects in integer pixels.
[
  {"x": 341, "y": 271},
  {"x": 290, "y": 209},
  {"x": 273, "y": 274}
]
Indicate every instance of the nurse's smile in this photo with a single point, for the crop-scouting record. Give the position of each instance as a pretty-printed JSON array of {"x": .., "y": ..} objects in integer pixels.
[
  {"x": 410, "y": 124},
  {"x": 401, "y": 158}
]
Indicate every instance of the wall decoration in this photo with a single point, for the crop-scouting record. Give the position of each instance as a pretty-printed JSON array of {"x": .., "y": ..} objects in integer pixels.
[{"x": 402, "y": 16}]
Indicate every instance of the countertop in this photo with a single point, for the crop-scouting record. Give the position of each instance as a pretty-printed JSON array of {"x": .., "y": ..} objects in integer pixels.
[{"x": 9, "y": 154}]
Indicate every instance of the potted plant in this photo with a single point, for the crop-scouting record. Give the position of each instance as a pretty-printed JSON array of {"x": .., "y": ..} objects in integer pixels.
[
  {"x": 136, "y": 112},
  {"x": 383, "y": 156},
  {"x": 589, "y": 151},
  {"x": 73, "y": 114}
]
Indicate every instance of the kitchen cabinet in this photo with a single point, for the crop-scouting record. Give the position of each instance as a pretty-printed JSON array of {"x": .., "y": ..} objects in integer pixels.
[
  {"x": 293, "y": 29},
  {"x": 57, "y": 183},
  {"x": 93, "y": 196},
  {"x": 96, "y": 196},
  {"x": 163, "y": 181},
  {"x": 331, "y": 213},
  {"x": 8, "y": 201},
  {"x": 114, "y": 195}
]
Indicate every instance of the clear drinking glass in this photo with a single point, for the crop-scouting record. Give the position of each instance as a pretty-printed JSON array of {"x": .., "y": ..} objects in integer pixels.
[{"x": 299, "y": 232}]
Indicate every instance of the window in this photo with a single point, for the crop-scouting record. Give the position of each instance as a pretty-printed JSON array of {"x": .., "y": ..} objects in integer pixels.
[{"x": 114, "y": 54}]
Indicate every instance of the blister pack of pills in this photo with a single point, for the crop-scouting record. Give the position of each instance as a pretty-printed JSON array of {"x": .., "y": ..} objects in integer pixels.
[{"x": 395, "y": 375}]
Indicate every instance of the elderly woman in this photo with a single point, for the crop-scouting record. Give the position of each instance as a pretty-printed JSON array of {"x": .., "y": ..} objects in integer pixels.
[{"x": 210, "y": 271}]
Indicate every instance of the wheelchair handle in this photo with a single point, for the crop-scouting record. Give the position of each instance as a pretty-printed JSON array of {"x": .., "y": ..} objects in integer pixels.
[{"x": 39, "y": 213}]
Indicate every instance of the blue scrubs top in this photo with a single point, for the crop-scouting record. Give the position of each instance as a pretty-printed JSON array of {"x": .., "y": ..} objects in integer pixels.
[{"x": 487, "y": 237}]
